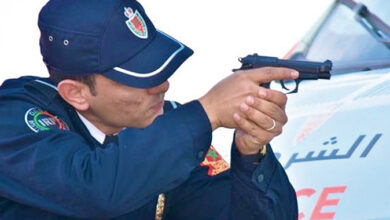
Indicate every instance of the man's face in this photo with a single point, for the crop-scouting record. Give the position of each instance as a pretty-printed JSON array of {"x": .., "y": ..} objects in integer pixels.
[{"x": 116, "y": 106}]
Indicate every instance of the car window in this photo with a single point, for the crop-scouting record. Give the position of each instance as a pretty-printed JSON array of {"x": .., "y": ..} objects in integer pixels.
[{"x": 343, "y": 39}]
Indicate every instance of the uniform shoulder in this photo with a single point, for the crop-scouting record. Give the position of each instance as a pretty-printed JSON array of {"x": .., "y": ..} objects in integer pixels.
[
  {"x": 28, "y": 105},
  {"x": 16, "y": 83},
  {"x": 28, "y": 88}
]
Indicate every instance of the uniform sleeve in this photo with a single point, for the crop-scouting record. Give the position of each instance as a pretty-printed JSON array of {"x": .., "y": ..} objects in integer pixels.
[
  {"x": 260, "y": 189},
  {"x": 59, "y": 172},
  {"x": 254, "y": 188}
]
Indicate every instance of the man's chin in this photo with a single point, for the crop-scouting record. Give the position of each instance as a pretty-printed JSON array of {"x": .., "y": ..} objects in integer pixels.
[{"x": 159, "y": 113}]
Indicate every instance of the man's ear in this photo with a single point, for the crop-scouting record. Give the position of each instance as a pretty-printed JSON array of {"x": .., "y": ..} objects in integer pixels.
[{"x": 75, "y": 93}]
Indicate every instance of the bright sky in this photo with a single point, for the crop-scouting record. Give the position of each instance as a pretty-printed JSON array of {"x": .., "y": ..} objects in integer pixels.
[{"x": 219, "y": 31}]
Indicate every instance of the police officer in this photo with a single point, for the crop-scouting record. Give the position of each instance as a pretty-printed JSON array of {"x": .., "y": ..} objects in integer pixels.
[{"x": 97, "y": 140}]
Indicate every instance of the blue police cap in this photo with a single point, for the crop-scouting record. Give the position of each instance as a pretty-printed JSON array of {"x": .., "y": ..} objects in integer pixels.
[{"x": 111, "y": 37}]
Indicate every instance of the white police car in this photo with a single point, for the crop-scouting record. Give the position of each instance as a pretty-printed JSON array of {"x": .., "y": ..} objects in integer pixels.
[{"x": 336, "y": 145}]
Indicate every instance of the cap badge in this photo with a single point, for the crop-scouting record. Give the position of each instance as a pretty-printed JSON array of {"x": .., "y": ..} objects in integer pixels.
[{"x": 136, "y": 23}]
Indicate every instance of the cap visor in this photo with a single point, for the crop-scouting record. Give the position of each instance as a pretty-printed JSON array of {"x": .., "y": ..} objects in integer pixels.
[{"x": 153, "y": 65}]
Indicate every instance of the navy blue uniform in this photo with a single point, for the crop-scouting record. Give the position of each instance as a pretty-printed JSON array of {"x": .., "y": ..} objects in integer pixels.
[{"x": 52, "y": 168}]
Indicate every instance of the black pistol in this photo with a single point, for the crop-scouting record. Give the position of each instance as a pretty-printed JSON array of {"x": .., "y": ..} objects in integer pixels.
[{"x": 307, "y": 70}]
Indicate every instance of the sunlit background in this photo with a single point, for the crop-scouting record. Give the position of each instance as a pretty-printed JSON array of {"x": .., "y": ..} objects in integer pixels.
[{"x": 219, "y": 32}]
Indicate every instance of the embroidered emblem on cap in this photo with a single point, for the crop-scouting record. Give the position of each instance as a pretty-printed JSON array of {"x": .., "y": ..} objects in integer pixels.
[
  {"x": 39, "y": 120},
  {"x": 215, "y": 162},
  {"x": 136, "y": 23}
]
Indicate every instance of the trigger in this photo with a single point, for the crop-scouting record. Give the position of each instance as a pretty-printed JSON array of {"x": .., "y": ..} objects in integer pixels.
[{"x": 283, "y": 86}]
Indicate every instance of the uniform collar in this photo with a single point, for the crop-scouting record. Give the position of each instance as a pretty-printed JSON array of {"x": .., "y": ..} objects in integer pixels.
[{"x": 93, "y": 130}]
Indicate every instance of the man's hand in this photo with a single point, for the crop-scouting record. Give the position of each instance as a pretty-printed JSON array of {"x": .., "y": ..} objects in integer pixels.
[
  {"x": 260, "y": 119},
  {"x": 226, "y": 97}
]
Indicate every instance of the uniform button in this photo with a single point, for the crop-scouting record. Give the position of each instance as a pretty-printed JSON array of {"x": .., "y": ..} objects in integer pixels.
[
  {"x": 260, "y": 178},
  {"x": 200, "y": 155}
]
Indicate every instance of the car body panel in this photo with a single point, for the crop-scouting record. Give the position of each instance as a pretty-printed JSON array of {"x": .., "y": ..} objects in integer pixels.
[
  {"x": 335, "y": 144},
  {"x": 336, "y": 140}
]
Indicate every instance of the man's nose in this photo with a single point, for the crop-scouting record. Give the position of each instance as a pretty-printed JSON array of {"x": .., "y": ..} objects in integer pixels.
[{"x": 162, "y": 88}]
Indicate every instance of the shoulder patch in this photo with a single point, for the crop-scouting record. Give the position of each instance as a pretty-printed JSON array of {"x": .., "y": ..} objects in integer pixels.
[
  {"x": 40, "y": 120},
  {"x": 215, "y": 162}
]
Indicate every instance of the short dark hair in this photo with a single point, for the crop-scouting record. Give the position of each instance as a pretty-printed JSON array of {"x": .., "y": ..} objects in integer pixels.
[{"x": 88, "y": 79}]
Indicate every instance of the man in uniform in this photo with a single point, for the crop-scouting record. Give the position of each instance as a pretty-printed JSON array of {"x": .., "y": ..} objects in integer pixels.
[{"x": 97, "y": 140}]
